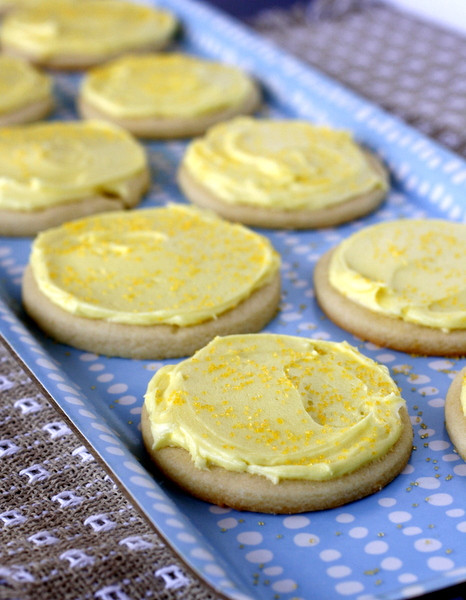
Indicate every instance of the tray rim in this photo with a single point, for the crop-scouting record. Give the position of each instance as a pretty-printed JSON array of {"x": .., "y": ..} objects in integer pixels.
[{"x": 379, "y": 120}]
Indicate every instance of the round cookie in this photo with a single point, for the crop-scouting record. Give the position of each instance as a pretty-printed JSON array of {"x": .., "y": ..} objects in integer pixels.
[
  {"x": 286, "y": 174},
  {"x": 25, "y": 93},
  {"x": 63, "y": 34},
  {"x": 155, "y": 283},
  {"x": 399, "y": 284},
  {"x": 167, "y": 95},
  {"x": 455, "y": 415},
  {"x": 237, "y": 428},
  {"x": 56, "y": 171}
]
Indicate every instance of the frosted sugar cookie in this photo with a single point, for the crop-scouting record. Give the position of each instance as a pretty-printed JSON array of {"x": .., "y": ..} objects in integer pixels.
[
  {"x": 74, "y": 35},
  {"x": 455, "y": 413},
  {"x": 283, "y": 174},
  {"x": 276, "y": 423},
  {"x": 7, "y": 5},
  {"x": 56, "y": 171},
  {"x": 153, "y": 283},
  {"x": 167, "y": 95},
  {"x": 25, "y": 93},
  {"x": 400, "y": 284}
]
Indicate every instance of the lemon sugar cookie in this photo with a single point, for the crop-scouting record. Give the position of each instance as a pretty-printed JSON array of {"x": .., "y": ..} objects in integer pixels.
[
  {"x": 455, "y": 412},
  {"x": 281, "y": 174},
  {"x": 400, "y": 284},
  {"x": 56, "y": 171},
  {"x": 75, "y": 35},
  {"x": 153, "y": 283},
  {"x": 26, "y": 94},
  {"x": 276, "y": 423},
  {"x": 167, "y": 95}
]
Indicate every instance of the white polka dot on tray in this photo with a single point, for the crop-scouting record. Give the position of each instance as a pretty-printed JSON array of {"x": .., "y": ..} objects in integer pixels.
[
  {"x": 345, "y": 518},
  {"x": 273, "y": 571},
  {"x": 400, "y": 516},
  {"x": 186, "y": 537},
  {"x": 213, "y": 569},
  {"x": 117, "y": 388},
  {"x": 376, "y": 547},
  {"x": 387, "y": 502},
  {"x": 166, "y": 509},
  {"x": 436, "y": 402},
  {"x": 427, "y": 545},
  {"x": 391, "y": 563},
  {"x": 440, "y": 563},
  {"x": 329, "y": 555},
  {"x": 219, "y": 510},
  {"x": 87, "y": 357},
  {"x": 202, "y": 553},
  {"x": 250, "y": 538},
  {"x": 228, "y": 523},
  {"x": 428, "y": 483},
  {"x": 409, "y": 531},
  {"x": 284, "y": 586},
  {"x": 306, "y": 539},
  {"x": 127, "y": 400},
  {"x": 106, "y": 377},
  {"x": 461, "y": 527},
  {"x": 338, "y": 571},
  {"x": 358, "y": 533},
  {"x": 296, "y": 522},
  {"x": 460, "y": 470},
  {"x": 259, "y": 556},
  {"x": 349, "y": 588},
  {"x": 96, "y": 367},
  {"x": 439, "y": 499}
]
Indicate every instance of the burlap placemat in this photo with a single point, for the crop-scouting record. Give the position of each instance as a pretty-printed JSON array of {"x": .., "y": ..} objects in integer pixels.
[
  {"x": 410, "y": 67},
  {"x": 66, "y": 530}
]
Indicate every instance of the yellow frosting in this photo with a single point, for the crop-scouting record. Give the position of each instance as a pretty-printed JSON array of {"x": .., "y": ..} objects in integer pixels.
[
  {"x": 165, "y": 85},
  {"x": 176, "y": 265},
  {"x": 413, "y": 269},
  {"x": 280, "y": 406},
  {"x": 280, "y": 164},
  {"x": 21, "y": 84},
  {"x": 52, "y": 163},
  {"x": 94, "y": 27}
]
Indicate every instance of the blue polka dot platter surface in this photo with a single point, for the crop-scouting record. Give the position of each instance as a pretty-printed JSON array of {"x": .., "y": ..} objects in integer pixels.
[{"x": 407, "y": 539}]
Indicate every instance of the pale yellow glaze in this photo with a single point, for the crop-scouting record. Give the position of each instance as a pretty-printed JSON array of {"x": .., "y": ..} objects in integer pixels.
[
  {"x": 413, "y": 269},
  {"x": 165, "y": 85},
  {"x": 52, "y": 163},
  {"x": 176, "y": 265},
  {"x": 91, "y": 28},
  {"x": 21, "y": 84},
  {"x": 282, "y": 164},
  {"x": 275, "y": 405}
]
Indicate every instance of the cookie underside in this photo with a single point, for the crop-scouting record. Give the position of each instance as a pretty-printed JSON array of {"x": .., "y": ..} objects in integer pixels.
[
  {"x": 455, "y": 419},
  {"x": 25, "y": 223},
  {"x": 77, "y": 62},
  {"x": 243, "y": 491},
  {"x": 151, "y": 341},
  {"x": 28, "y": 113},
  {"x": 173, "y": 127},
  {"x": 255, "y": 216},
  {"x": 390, "y": 332}
]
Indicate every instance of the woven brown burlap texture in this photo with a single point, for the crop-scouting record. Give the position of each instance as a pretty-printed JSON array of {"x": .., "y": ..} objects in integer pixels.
[
  {"x": 409, "y": 67},
  {"x": 66, "y": 530}
]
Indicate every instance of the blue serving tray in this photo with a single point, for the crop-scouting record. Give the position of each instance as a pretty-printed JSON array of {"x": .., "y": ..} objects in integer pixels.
[{"x": 404, "y": 541}]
